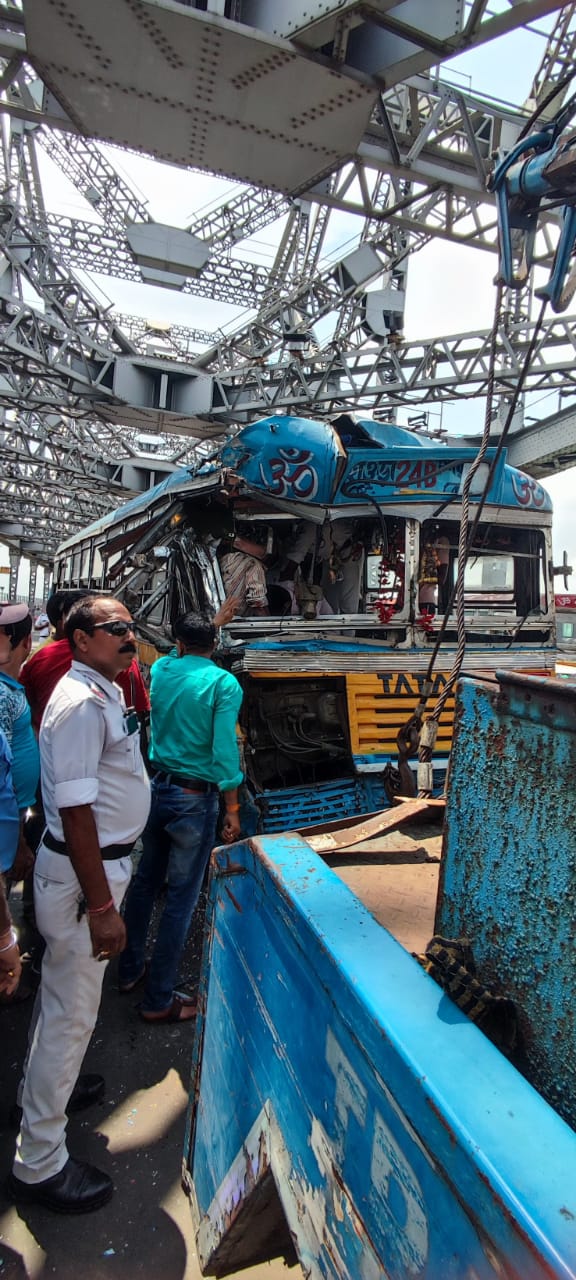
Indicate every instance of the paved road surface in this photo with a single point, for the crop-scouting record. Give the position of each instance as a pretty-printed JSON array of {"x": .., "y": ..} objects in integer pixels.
[{"x": 136, "y": 1135}]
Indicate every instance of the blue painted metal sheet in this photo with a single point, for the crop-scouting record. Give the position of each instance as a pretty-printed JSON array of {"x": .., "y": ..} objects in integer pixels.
[
  {"x": 398, "y": 1140},
  {"x": 394, "y": 474},
  {"x": 299, "y": 459},
  {"x": 509, "y": 867},
  {"x": 288, "y": 457},
  {"x": 289, "y": 807}
]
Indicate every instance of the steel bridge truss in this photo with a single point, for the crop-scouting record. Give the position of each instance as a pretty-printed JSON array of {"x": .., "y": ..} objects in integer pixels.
[{"x": 80, "y": 383}]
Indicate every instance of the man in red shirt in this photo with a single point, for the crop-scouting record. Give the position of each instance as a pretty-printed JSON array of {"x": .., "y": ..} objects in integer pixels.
[{"x": 41, "y": 673}]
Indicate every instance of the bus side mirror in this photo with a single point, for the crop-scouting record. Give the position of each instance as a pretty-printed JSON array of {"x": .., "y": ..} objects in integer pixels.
[{"x": 565, "y": 569}]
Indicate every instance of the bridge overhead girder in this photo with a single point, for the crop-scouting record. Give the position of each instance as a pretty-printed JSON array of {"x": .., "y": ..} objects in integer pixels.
[
  {"x": 546, "y": 447},
  {"x": 197, "y": 89},
  {"x": 331, "y": 104}
]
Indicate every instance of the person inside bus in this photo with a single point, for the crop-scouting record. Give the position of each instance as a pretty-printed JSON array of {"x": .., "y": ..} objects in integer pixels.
[
  {"x": 306, "y": 599},
  {"x": 338, "y": 552},
  {"x": 433, "y": 571},
  {"x": 242, "y": 565}
]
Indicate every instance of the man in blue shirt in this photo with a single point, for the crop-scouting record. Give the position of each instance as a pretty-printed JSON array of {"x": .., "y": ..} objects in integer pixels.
[
  {"x": 10, "y": 963},
  {"x": 195, "y": 759},
  {"x": 16, "y": 720},
  {"x": 9, "y": 818}
]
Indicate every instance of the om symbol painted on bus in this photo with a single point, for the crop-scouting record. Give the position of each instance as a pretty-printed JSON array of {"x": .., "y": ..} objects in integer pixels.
[
  {"x": 291, "y": 474},
  {"x": 528, "y": 492}
]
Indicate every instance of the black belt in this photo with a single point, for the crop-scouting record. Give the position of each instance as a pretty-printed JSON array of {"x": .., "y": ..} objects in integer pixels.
[
  {"x": 108, "y": 854},
  {"x": 179, "y": 780}
]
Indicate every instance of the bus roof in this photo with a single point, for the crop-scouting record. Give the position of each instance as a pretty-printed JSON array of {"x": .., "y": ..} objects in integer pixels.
[
  {"x": 174, "y": 484},
  {"x": 308, "y": 464}
]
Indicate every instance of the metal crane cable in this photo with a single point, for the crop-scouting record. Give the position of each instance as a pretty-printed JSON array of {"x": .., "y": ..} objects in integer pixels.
[{"x": 467, "y": 534}]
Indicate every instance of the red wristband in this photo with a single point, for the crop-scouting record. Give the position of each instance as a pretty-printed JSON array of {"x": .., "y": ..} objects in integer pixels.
[{"x": 99, "y": 911}]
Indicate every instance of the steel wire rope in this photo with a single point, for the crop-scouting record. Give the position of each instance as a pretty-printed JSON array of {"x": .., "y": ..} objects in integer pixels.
[
  {"x": 467, "y": 533},
  {"x": 567, "y": 110},
  {"x": 554, "y": 92}
]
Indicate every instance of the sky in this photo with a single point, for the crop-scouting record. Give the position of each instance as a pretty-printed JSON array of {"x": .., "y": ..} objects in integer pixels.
[{"x": 450, "y": 288}]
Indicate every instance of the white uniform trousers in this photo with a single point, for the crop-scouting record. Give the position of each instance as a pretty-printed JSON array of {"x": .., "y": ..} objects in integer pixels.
[
  {"x": 344, "y": 595},
  {"x": 70, "y": 992}
]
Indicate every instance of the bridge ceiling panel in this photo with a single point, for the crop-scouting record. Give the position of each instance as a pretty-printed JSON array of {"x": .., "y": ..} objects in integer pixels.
[
  {"x": 160, "y": 420},
  {"x": 188, "y": 88},
  {"x": 547, "y": 447}
]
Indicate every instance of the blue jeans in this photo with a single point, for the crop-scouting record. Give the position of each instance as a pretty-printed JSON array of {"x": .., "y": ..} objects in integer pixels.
[{"x": 177, "y": 841}]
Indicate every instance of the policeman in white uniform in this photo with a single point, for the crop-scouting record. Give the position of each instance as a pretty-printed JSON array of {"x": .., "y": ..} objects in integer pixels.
[
  {"x": 341, "y": 555},
  {"x": 96, "y": 800}
]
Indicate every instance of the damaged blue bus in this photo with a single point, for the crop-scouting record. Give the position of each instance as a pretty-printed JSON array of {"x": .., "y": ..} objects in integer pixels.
[{"x": 349, "y": 529}]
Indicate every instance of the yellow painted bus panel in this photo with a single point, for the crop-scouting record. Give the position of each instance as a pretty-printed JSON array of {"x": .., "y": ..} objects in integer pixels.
[{"x": 380, "y": 705}]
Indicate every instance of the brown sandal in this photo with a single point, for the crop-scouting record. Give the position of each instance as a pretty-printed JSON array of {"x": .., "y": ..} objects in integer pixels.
[{"x": 182, "y": 1009}]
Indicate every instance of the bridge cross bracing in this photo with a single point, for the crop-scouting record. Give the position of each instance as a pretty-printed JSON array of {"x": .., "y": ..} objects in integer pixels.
[{"x": 341, "y": 138}]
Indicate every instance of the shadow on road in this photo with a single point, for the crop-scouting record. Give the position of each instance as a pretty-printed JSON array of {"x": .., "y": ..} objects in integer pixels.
[{"x": 136, "y": 1135}]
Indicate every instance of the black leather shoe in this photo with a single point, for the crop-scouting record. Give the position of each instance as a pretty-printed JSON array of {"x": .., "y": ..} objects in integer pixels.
[
  {"x": 89, "y": 1088},
  {"x": 78, "y": 1188}
]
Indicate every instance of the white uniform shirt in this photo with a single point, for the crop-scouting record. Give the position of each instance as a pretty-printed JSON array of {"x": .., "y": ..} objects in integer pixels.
[
  {"x": 89, "y": 756},
  {"x": 42, "y": 627}
]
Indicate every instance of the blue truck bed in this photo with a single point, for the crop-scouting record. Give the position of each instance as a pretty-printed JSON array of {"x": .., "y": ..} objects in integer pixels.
[
  {"x": 341, "y": 1102},
  {"x": 344, "y": 1112}
]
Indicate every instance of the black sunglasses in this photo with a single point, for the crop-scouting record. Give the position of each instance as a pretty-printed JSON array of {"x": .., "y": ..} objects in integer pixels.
[{"x": 116, "y": 628}]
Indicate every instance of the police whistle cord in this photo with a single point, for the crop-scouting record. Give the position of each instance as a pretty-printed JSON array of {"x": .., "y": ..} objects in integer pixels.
[{"x": 428, "y": 729}]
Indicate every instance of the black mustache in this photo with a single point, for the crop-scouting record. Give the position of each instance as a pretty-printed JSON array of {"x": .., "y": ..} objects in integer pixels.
[{"x": 128, "y": 648}]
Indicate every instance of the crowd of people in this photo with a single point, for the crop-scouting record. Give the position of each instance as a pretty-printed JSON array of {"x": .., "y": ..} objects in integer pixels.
[
  {"x": 71, "y": 741},
  {"x": 81, "y": 783}
]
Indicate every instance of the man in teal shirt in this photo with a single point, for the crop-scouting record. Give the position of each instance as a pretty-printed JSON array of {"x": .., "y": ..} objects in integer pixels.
[{"x": 195, "y": 759}]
